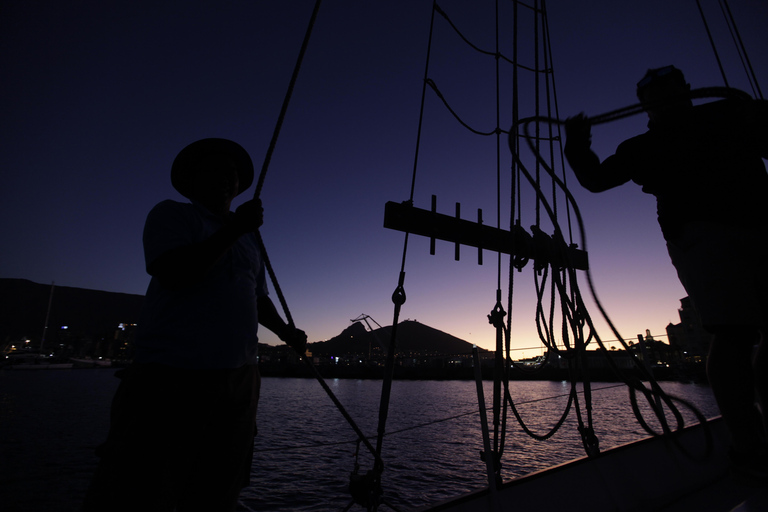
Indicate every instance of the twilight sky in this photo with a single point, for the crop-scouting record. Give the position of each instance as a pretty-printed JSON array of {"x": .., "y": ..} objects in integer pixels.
[{"x": 97, "y": 97}]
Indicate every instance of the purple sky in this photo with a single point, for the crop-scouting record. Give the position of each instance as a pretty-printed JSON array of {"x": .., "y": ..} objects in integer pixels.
[{"x": 98, "y": 97}]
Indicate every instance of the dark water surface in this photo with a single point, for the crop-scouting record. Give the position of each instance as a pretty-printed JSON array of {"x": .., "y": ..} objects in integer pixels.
[{"x": 52, "y": 420}]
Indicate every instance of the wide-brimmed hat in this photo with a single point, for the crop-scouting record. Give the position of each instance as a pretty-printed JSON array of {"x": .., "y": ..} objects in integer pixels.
[{"x": 188, "y": 159}]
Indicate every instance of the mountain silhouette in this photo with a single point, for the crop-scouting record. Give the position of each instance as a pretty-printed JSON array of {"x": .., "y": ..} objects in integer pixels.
[{"x": 412, "y": 336}]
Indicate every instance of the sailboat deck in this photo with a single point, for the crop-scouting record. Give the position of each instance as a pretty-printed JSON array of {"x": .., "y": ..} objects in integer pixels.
[
  {"x": 664, "y": 474},
  {"x": 726, "y": 494}
]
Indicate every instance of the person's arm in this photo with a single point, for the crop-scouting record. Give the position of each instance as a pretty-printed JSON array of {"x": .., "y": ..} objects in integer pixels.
[
  {"x": 186, "y": 265},
  {"x": 592, "y": 175},
  {"x": 271, "y": 319}
]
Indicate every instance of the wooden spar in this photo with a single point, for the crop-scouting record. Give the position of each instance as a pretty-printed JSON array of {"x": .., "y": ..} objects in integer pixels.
[{"x": 539, "y": 247}]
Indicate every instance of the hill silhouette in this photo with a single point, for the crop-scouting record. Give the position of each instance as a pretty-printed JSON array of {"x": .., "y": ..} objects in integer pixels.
[
  {"x": 412, "y": 336},
  {"x": 95, "y": 314},
  {"x": 86, "y": 313}
]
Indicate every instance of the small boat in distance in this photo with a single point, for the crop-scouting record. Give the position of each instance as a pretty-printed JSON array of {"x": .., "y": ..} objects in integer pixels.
[
  {"x": 33, "y": 361},
  {"x": 88, "y": 362}
]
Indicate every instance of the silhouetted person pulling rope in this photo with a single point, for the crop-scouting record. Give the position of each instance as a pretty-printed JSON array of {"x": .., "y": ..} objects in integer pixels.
[{"x": 704, "y": 165}]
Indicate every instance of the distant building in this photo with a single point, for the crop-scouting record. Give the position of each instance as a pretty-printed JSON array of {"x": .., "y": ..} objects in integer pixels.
[
  {"x": 598, "y": 360},
  {"x": 689, "y": 337}
]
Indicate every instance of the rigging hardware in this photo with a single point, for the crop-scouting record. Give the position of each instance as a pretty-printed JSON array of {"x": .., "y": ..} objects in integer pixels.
[{"x": 540, "y": 247}]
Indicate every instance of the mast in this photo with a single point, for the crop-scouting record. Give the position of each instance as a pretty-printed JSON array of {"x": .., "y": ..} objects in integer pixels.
[{"x": 47, "y": 316}]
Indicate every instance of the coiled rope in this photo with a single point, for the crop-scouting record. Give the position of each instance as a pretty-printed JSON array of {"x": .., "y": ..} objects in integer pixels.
[
  {"x": 655, "y": 393},
  {"x": 577, "y": 327}
]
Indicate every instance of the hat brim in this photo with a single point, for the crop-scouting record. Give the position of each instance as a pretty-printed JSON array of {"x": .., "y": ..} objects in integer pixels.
[{"x": 186, "y": 161}]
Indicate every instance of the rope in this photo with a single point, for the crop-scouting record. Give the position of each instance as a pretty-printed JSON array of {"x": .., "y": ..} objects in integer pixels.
[
  {"x": 432, "y": 84},
  {"x": 399, "y": 296},
  {"x": 543, "y": 319},
  {"x": 286, "y": 101},
  {"x": 577, "y": 329},
  {"x": 712, "y": 42},
  {"x": 738, "y": 43},
  {"x": 262, "y": 248},
  {"x": 559, "y": 285},
  {"x": 750, "y": 71},
  {"x": 496, "y": 54},
  {"x": 472, "y": 412},
  {"x": 635, "y": 385}
]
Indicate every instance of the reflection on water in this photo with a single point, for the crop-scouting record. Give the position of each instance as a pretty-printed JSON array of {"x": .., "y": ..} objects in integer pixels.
[
  {"x": 299, "y": 464},
  {"x": 50, "y": 422}
]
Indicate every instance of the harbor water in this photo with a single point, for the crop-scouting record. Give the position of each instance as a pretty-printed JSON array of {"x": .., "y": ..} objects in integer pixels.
[{"x": 52, "y": 420}]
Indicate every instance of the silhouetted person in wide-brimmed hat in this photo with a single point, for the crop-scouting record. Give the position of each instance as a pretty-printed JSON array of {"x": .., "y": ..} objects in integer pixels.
[
  {"x": 704, "y": 165},
  {"x": 183, "y": 417}
]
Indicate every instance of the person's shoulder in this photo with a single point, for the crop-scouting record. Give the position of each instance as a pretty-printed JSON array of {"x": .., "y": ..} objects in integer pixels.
[
  {"x": 171, "y": 205},
  {"x": 637, "y": 143},
  {"x": 171, "y": 209}
]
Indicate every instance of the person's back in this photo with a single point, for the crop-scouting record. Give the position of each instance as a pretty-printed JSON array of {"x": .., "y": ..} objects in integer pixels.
[{"x": 703, "y": 165}]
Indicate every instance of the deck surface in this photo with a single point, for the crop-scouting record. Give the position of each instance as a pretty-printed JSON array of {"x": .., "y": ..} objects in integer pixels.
[
  {"x": 727, "y": 494},
  {"x": 687, "y": 472}
]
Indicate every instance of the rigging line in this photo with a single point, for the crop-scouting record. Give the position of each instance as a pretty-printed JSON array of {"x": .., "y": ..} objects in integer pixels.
[
  {"x": 361, "y": 437},
  {"x": 306, "y": 359},
  {"x": 633, "y": 384},
  {"x": 265, "y": 257},
  {"x": 557, "y": 426},
  {"x": 742, "y": 50},
  {"x": 712, "y": 43},
  {"x": 536, "y": 102},
  {"x": 554, "y": 429},
  {"x": 557, "y": 137},
  {"x": 571, "y": 396},
  {"x": 398, "y": 296},
  {"x": 499, "y": 423},
  {"x": 354, "y": 441},
  {"x": 426, "y": 424},
  {"x": 498, "y": 147},
  {"x": 731, "y": 30},
  {"x": 421, "y": 107},
  {"x": 548, "y": 209},
  {"x": 589, "y": 439},
  {"x": 507, "y": 328},
  {"x": 497, "y": 54},
  {"x": 498, "y": 309},
  {"x": 540, "y": 14},
  {"x": 286, "y": 100},
  {"x": 432, "y": 84},
  {"x": 419, "y": 131},
  {"x": 514, "y": 192}
]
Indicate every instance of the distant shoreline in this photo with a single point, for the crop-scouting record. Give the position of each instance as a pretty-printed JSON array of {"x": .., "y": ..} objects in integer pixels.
[
  {"x": 421, "y": 373},
  {"x": 300, "y": 371}
]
